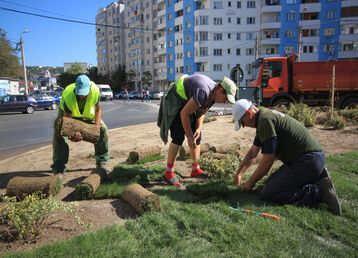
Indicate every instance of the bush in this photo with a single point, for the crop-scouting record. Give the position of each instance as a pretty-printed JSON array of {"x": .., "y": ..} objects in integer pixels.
[
  {"x": 220, "y": 168},
  {"x": 301, "y": 112},
  {"x": 350, "y": 114},
  {"x": 335, "y": 121},
  {"x": 26, "y": 219}
]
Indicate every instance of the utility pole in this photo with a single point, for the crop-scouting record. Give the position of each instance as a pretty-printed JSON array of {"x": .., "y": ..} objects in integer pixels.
[
  {"x": 23, "y": 61},
  {"x": 333, "y": 88},
  {"x": 299, "y": 44}
]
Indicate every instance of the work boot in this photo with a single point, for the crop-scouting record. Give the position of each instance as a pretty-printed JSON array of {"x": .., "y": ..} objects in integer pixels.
[{"x": 328, "y": 193}]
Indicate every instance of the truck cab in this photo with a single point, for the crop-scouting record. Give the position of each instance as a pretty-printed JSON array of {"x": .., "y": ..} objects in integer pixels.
[{"x": 106, "y": 91}]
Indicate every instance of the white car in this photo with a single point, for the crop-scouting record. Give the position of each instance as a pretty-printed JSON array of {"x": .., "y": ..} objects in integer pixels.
[
  {"x": 157, "y": 94},
  {"x": 106, "y": 91}
]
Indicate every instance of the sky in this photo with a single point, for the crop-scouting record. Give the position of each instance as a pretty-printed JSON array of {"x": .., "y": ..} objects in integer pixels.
[{"x": 52, "y": 42}]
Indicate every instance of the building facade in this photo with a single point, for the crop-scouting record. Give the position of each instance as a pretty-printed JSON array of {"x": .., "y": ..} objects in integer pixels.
[
  {"x": 168, "y": 38},
  {"x": 110, "y": 40}
]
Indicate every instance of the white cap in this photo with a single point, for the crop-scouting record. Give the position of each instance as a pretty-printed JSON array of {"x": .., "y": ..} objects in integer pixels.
[{"x": 238, "y": 111}]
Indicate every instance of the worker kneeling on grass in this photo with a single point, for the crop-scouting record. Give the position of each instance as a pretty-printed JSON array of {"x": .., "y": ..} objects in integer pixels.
[
  {"x": 303, "y": 178},
  {"x": 182, "y": 111},
  {"x": 80, "y": 100}
]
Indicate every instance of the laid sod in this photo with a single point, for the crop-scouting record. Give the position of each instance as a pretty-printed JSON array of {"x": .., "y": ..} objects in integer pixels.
[{"x": 198, "y": 224}]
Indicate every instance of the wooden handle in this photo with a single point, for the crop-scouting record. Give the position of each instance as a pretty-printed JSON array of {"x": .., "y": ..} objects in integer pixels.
[{"x": 271, "y": 216}]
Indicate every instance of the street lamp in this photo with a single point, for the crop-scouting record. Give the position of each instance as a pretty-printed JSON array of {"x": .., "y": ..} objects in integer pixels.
[{"x": 23, "y": 59}]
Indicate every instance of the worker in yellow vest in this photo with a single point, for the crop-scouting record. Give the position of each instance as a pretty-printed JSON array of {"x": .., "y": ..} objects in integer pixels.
[
  {"x": 182, "y": 112},
  {"x": 79, "y": 100}
]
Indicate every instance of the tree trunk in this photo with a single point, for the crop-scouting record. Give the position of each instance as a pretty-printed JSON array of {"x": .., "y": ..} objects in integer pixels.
[
  {"x": 88, "y": 187},
  {"x": 141, "y": 199},
  {"x": 23, "y": 186},
  {"x": 135, "y": 156},
  {"x": 89, "y": 132}
]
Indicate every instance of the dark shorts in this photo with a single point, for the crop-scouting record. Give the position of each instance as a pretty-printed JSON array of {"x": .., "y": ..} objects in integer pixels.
[
  {"x": 177, "y": 132},
  {"x": 290, "y": 178}
]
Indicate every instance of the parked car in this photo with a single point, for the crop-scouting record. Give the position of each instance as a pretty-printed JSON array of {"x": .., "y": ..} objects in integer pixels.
[
  {"x": 106, "y": 91},
  {"x": 120, "y": 95},
  {"x": 18, "y": 103},
  {"x": 157, "y": 94},
  {"x": 45, "y": 101},
  {"x": 134, "y": 95},
  {"x": 56, "y": 95}
]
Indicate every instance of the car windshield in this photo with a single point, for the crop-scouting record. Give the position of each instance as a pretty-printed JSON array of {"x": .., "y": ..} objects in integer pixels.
[{"x": 105, "y": 89}]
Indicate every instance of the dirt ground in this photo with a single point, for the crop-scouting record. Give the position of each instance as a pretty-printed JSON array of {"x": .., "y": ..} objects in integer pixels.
[{"x": 100, "y": 213}]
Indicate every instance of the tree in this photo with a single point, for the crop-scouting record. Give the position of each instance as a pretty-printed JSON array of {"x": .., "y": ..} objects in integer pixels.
[
  {"x": 97, "y": 78},
  {"x": 147, "y": 78},
  {"x": 66, "y": 78},
  {"x": 9, "y": 62},
  {"x": 119, "y": 79},
  {"x": 75, "y": 68}
]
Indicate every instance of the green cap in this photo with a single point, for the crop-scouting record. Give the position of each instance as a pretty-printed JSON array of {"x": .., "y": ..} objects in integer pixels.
[{"x": 230, "y": 89}]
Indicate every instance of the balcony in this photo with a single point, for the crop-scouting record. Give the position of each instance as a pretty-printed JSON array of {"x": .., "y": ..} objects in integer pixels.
[
  {"x": 270, "y": 24},
  {"x": 162, "y": 26},
  {"x": 161, "y": 13},
  {"x": 179, "y": 6},
  {"x": 271, "y": 8},
  {"x": 348, "y": 37},
  {"x": 348, "y": 54},
  {"x": 179, "y": 20},
  {"x": 270, "y": 41},
  {"x": 311, "y": 7},
  {"x": 349, "y": 3}
]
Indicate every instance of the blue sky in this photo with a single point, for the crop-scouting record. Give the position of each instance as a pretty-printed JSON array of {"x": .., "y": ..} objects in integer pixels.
[{"x": 50, "y": 42}]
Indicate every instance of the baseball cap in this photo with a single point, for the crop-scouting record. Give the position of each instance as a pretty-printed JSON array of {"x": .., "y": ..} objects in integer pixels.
[
  {"x": 230, "y": 89},
  {"x": 82, "y": 85},
  {"x": 238, "y": 111}
]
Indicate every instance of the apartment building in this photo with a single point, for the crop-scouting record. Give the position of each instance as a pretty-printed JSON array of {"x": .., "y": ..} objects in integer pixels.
[
  {"x": 312, "y": 29},
  {"x": 110, "y": 35},
  {"x": 167, "y": 38}
]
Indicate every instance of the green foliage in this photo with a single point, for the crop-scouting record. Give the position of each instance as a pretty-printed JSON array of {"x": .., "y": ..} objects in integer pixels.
[
  {"x": 220, "y": 168},
  {"x": 119, "y": 79},
  {"x": 9, "y": 62},
  {"x": 335, "y": 121},
  {"x": 28, "y": 217},
  {"x": 76, "y": 69},
  {"x": 146, "y": 78},
  {"x": 96, "y": 77},
  {"x": 302, "y": 113},
  {"x": 350, "y": 115},
  {"x": 66, "y": 79}
]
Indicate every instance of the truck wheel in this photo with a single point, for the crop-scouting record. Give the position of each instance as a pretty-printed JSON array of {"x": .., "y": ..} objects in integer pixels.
[
  {"x": 351, "y": 103},
  {"x": 282, "y": 102},
  {"x": 29, "y": 110}
]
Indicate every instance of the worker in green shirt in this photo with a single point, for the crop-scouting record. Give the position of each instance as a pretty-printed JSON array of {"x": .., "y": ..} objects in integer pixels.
[
  {"x": 79, "y": 100},
  {"x": 302, "y": 178}
]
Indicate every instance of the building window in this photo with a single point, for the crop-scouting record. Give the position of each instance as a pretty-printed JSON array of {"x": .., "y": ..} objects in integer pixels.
[
  {"x": 308, "y": 49},
  {"x": 270, "y": 51},
  {"x": 251, "y": 4},
  {"x": 202, "y": 20},
  {"x": 188, "y": 54},
  {"x": 291, "y": 16},
  {"x": 289, "y": 34},
  {"x": 218, "y": 67},
  {"x": 203, "y": 51},
  {"x": 201, "y": 36},
  {"x": 188, "y": 68},
  {"x": 349, "y": 46},
  {"x": 238, "y": 4},
  {"x": 218, "y": 52},
  {"x": 229, "y": 51},
  {"x": 329, "y": 32},
  {"x": 238, "y": 35},
  {"x": 229, "y": 20},
  {"x": 289, "y": 50},
  {"x": 218, "y": 36},
  {"x": 328, "y": 48},
  {"x": 218, "y": 5},
  {"x": 218, "y": 21},
  {"x": 249, "y": 35},
  {"x": 238, "y": 20},
  {"x": 250, "y": 20},
  {"x": 238, "y": 51},
  {"x": 188, "y": 9},
  {"x": 331, "y": 14},
  {"x": 249, "y": 51},
  {"x": 309, "y": 32},
  {"x": 229, "y": 4},
  {"x": 229, "y": 35},
  {"x": 187, "y": 39}
]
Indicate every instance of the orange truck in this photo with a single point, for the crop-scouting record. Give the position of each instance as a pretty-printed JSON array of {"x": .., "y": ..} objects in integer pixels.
[{"x": 283, "y": 80}]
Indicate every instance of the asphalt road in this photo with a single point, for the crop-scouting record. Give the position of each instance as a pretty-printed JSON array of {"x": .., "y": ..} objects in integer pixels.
[{"x": 22, "y": 132}]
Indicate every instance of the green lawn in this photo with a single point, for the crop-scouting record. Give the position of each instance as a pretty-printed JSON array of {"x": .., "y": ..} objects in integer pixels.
[{"x": 204, "y": 226}]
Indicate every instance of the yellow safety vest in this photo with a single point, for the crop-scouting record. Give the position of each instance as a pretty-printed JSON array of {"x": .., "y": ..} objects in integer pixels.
[
  {"x": 69, "y": 97},
  {"x": 180, "y": 87}
]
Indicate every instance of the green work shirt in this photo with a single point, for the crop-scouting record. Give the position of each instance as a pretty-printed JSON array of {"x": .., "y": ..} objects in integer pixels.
[{"x": 293, "y": 138}]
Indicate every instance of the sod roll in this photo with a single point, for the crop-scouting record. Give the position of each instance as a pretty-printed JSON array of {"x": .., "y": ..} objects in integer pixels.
[
  {"x": 23, "y": 186},
  {"x": 89, "y": 132},
  {"x": 88, "y": 187},
  {"x": 141, "y": 199},
  {"x": 226, "y": 148},
  {"x": 137, "y": 155}
]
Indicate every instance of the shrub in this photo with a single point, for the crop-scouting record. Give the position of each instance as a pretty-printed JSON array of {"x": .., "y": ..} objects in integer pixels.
[
  {"x": 27, "y": 218},
  {"x": 350, "y": 114},
  {"x": 301, "y": 112},
  {"x": 220, "y": 168},
  {"x": 335, "y": 121}
]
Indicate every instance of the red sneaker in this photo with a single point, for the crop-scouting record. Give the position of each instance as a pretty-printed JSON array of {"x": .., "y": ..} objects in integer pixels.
[
  {"x": 198, "y": 172},
  {"x": 171, "y": 179}
]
